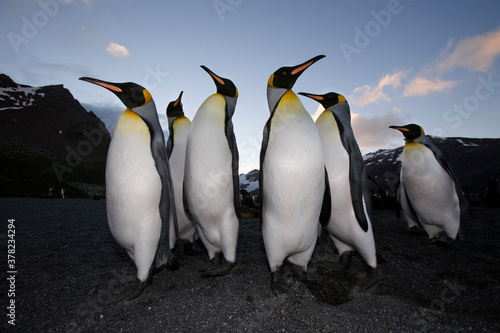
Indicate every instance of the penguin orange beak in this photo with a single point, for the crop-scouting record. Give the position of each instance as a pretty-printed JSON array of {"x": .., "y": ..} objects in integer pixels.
[
  {"x": 178, "y": 100},
  {"x": 299, "y": 69},
  {"x": 400, "y": 128},
  {"x": 108, "y": 85},
  {"x": 218, "y": 80},
  {"x": 318, "y": 98}
]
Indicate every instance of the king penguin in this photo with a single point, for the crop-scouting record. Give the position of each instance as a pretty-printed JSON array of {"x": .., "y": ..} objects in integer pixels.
[
  {"x": 349, "y": 225},
  {"x": 178, "y": 125},
  {"x": 292, "y": 178},
  {"x": 138, "y": 186},
  {"x": 428, "y": 190},
  {"x": 211, "y": 184}
]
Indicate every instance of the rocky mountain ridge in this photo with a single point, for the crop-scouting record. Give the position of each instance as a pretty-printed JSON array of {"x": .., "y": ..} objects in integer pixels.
[{"x": 47, "y": 140}]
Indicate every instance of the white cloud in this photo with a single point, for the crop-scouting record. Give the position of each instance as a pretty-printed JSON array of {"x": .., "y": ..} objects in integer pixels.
[
  {"x": 474, "y": 53},
  {"x": 117, "y": 50},
  {"x": 420, "y": 86},
  {"x": 374, "y": 133},
  {"x": 373, "y": 94}
]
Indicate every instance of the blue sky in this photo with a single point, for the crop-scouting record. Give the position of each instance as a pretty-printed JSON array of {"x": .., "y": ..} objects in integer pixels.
[{"x": 435, "y": 63}]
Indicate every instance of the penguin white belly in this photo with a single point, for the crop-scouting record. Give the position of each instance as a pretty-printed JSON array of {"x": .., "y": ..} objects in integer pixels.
[
  {"x": 133, "y": 192},
  {"x": 209, "y": 178},
  {"x": 293, "y": 188},
  {"x": 343, "y": 224},
  {"x": 430, "y": 190},
  {"x": 187, "y": 228}
]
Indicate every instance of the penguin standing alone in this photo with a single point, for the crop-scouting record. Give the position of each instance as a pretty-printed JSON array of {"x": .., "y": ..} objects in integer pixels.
[
  {"x": 349, "y": 225},
  {"x": 428, "y": 190},
  {"x": 211, "y": 183},
  {"x": 138, "y": 185},
  {"x": 178, "y": 125},
  {"x": 292, "y": 178}
]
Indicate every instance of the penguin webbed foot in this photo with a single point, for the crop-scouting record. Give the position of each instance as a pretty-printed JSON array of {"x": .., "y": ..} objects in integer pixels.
[
  {"x": 278, "y": 284},
  {"x": 190, "y": 250},
  {"x": 219, "y": 266},
  {"x": 369, "y": 280},
  {"x": 300, "y": 275},
  {"x": 165, "y": 258},
  {"x": 130, "y": 291},
  {"x": 342, "y": 265},
  {"x": 414, "y": 230},
  {"x": 443, "y": 240},
  {"x": 173, "y": 265}
]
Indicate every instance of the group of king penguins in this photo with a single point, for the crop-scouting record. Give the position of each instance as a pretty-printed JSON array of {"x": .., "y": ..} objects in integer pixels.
[{"x": 312, "y": 176}]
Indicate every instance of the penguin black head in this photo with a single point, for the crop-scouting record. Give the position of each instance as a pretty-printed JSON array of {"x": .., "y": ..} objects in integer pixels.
[
  {"x": 327, "y": 100},
  {"x": 174, "y": 108},
  {"x": 285, "y": 77},
  {"x": 225, "y": 87},
  {"x": 411, "y": 131},
  {"x": 130, "y": 93}
]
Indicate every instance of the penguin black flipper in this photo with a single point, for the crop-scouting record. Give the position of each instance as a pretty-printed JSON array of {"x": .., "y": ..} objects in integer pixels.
[
  {"x": 326, "y": 208},
  {"x": 356, "y": 173},
  {"x": 231, "y": 139},
  {"x": 263, "y": 149},
  {"x": 163, "y": 254},
  {"x": 413, "y": 212},
  {"x": 357, "y": 179},
  {"x": 398, "y": 199},
  {"x": 185, "y": 202},
  {"x": 444, "y": 164},
  {"x": 170, "y": 142}
]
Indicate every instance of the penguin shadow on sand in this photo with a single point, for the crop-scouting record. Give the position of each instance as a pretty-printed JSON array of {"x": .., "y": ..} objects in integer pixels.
[{"x": 341, "y": 277}]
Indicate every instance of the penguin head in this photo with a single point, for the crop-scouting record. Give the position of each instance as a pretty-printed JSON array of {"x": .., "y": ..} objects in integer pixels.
[
  {"x": 174, "y": 108},
  {"x": 411, "y": 131},
  {"x": 285, "y": 77},
  {"x": 327, "y": 100},
  {"x": 130, "y": 93},
  {"x": 224, "y": 86}
]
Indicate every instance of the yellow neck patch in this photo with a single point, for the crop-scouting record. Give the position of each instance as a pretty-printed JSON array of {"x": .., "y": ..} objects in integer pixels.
[
  {"x": 130, "y": 121},
  {"x": 270, "y": 81},
  {"x": 147, "y": 96},
  {"x": 290, "y": 103}
]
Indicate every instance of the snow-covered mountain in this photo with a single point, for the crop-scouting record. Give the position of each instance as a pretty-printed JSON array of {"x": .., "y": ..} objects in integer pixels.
[
  {"x": 250, "y": 182},
  {"x": 47, "y": 139}
]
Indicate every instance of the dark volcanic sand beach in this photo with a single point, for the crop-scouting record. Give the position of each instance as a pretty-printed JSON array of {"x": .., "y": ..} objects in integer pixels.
[{"x": 68, "y": 264}]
